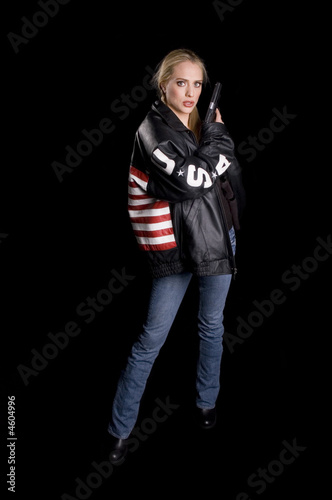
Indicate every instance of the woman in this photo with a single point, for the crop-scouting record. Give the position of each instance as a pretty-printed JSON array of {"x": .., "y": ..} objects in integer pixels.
[{"x": 184, "y": 224}]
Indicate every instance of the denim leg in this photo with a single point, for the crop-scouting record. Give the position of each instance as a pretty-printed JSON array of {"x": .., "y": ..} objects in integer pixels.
[
  {"x": 165, "y": 299},
  {"x": 213, "y": 292},
  {"x": 232, "y": 237}
]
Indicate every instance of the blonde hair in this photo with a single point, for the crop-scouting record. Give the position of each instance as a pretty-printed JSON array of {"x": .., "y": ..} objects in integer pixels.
[{"x": 164, "y": 72}]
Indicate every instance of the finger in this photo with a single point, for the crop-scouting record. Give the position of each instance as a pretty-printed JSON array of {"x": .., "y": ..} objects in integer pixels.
[{"x": 218, "y": 116}]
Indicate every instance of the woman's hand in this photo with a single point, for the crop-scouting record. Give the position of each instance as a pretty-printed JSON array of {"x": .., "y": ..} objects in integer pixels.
[{"x": 218, "y": 118}]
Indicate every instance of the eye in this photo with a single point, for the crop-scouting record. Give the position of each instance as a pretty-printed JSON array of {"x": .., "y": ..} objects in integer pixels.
[
  {"x": 181, "y": 83},
  {"x": 198, "y": 84}
]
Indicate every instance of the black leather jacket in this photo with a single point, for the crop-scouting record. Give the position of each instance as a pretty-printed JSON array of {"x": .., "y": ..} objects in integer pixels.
[{"x": 174, "y": 195}]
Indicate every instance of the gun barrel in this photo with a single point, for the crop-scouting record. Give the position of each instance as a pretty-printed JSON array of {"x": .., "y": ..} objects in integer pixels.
[{"x": 213, "y": 103}]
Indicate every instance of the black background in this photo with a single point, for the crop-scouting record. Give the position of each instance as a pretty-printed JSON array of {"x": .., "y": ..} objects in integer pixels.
[{"x": 61, "y": 240}]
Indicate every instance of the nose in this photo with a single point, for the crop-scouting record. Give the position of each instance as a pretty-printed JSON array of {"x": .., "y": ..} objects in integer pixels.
[{"x": 190, "y": 91}]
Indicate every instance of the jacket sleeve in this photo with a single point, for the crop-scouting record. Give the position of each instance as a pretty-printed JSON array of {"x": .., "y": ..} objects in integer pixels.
[{"x": 177, "y": 173}]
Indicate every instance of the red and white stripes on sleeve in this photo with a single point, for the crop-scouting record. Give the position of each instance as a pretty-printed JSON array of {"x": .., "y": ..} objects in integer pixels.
[{"x": 150, "y": 218}]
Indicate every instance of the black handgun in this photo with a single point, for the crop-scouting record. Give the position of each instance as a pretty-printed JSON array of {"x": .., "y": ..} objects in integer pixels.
[{"x": 210, "y": 115}]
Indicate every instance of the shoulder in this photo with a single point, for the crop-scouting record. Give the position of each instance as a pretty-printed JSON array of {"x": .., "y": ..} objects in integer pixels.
[
  {"x": 162, "y": 116},
  {"x": 159, "y": 125},
  {"x": 151, "y": 121}
]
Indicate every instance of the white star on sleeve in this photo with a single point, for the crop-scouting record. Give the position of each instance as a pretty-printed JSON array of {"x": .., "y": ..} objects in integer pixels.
[
  {"x": 180, "y": 172},
  {"x": 214, "y": 175}
]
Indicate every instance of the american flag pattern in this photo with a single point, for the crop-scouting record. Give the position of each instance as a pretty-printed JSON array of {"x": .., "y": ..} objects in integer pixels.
[{"x": 150, "y": 218}]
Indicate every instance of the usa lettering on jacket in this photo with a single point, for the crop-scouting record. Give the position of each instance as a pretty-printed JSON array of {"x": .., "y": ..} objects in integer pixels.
[{"x": 195, "y": 177}]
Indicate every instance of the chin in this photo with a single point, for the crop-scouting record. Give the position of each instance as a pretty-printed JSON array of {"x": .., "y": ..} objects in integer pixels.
[{"x": 187, "y": 111}]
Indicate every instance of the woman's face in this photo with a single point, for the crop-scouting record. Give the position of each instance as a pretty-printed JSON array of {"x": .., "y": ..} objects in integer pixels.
[{"x": 183, "y": 89}]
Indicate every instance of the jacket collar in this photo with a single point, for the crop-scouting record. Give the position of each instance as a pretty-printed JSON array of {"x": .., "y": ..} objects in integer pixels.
[{"x": 169, "y": 116}]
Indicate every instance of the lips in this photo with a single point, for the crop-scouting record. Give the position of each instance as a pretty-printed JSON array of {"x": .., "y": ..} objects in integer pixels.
[{"x": 188, "y": 104}]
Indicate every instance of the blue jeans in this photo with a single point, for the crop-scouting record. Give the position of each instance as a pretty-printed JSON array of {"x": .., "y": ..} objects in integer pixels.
[{"x": 165, "y": 299}]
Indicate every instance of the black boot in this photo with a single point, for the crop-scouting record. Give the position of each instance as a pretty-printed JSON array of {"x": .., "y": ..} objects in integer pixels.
[
  {"x": 118, "y": 450},
  {"x": 207, "y": 418}
]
